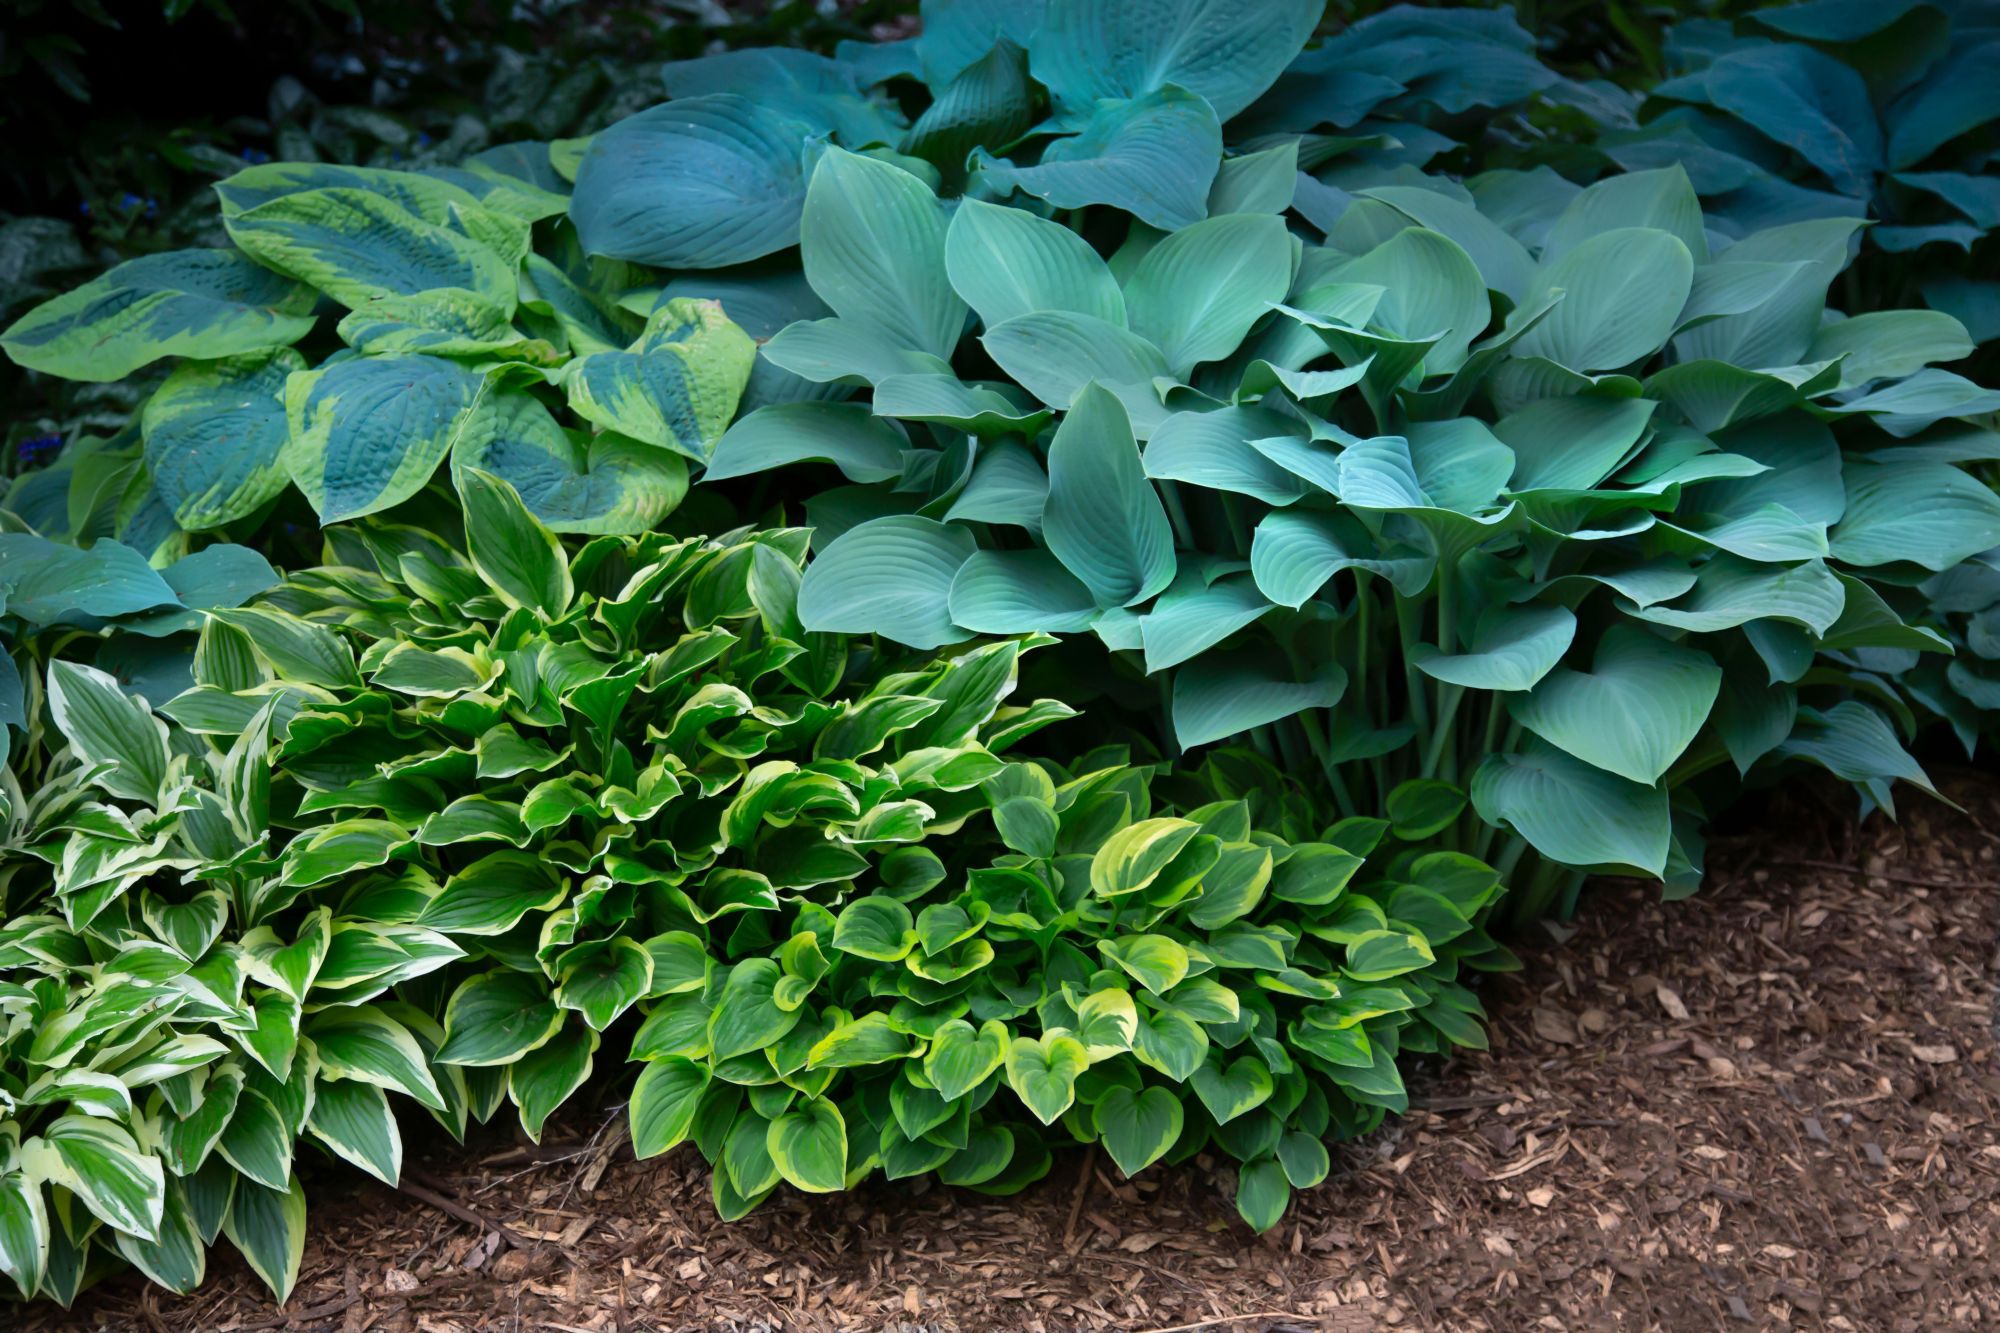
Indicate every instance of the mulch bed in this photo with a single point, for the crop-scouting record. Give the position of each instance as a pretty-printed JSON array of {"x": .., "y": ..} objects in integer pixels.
[{"x": 1776, "y": 1105}]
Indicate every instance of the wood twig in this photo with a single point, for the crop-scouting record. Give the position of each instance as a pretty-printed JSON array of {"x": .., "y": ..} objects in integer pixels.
[
  {"x": 454, "y": 1208},
  {"x": 1233, "y": 1319},
  {"x": 1083, "y": 1178},
  {"x": 1894, "y": 877},
  {"x": 332, "y": 1307}
]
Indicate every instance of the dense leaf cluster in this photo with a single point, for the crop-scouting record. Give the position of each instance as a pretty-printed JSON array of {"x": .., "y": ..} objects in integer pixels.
[{"x": 437, "y": 816}]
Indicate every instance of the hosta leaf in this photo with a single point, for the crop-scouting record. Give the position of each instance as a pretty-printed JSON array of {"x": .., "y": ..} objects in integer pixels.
[
  {"x": 1890, "y": 344},
  {"x": 109, "y": 727},
  {"x": 544, "y": 1078},
  {"x": 1192, "y": 617},
  {"x": 917, "y": 557},
  {"x": 607, "y": 484},
  {"x": 1512, "y": 648},
  {"x": 99, "y": 1162},
  {"x": 1634, "y": 712},
  {"x": 1154, "y": 961},
  {"x": 1056, "y": 355},
  {"x": 808, "y": 1144},
  {"x": 1931, "y": 513},
  {"x": 676, "y": 387},
  {"x": 704, "y": 182},
  {"x": 518, "y": 556},
  {"x": 367, "y": 434},
  {"x": 1138, "y": 1127},
  {"x": 1220, "y": 694},
  {"x": 207, "y": 304},
  {"x": 1431, "y": 291},
  {"x": 1196, "y": 294},
  {"x": 1729, "y": 592},
  {"x": 601, "y": 979},
  {"x": 1103, "y": 519},
  {"x": 353, "y": 1119},
  {"x": 1226, "y": 51},
  {"x": 873, "y": 244},
  {"x": 1572, "y": 812},
  {"x": 1154, "y": 156},
  {"x": 1213, "y": 449},
  {"x": 664, "y": 1103},
  {"x": 1947, "y": 102},
  {"x": 215, "y": 433},
  {"x": 1005, "y": 262},
  {"x": 364, "y": 1043},
  {"x": 1043, "y": 1073},
  {"x": 1262, "y": 1193},
  {"x": 961, "y": 1058},
  {"x": 496, "y": 1018},
  {"x": 864, "y": 447},
  {"x": 747, "y": 1017},
  {"x": 1624, "y": 290},
  {"x": 269, "y": 1227}
]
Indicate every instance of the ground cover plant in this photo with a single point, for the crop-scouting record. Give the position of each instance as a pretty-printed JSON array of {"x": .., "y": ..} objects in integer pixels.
[
  {"x": 582, "y": 591},
  {"x": 435, "y": 816}
]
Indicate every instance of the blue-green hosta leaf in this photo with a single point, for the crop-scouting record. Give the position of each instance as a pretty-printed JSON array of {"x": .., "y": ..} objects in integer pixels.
[
  {"x": 1007, "y": 485},
  {"x": 1005, "y": 262},
  {"x": 1461, "y": 464},
  {"x": 1854, "y": 742},
  {"x": 676, "y": 387},
  {"x": 982, "y": 409},
  {"x": 1624, "y": 291},
  {"x": 45, "y": 582},
  {"x": 571, "y": 483},
  {"x": 1573, "y": 443},
  {"x": 1805, "y": 100},
  {"x": 1019, "y": 592},
  {"x": 1431, "y": 292},
  {"x": 1573, "y": 813},
  {"x": 1220, "y": 695},
  {"x": 198, "y": 303},
  {"x": 873, "y": 244},
  {"x": 1663, "y": 199},
  {"x": 890, "y": 576},
  {"x": 1778, "y": 332},
  {"x": 1951, "y": 99},
  {"x": 1103, "y": 519},
  {"x": 864, "y": 447},
  {"x": 367, "y": 434},
  {"x": 1714, "y": 395},
  {"x": 1265, "y": 181},
  {"x": 1193, "y": 616},
  {"x": 1890, "y": 344},
  {"x": 991, "y": 101},
  {"x": 1226, "y": 51},
  {"x": 1730, "y": 591},
  {"x": 215, "y": 432},
  {"x": 1734, "y": 287},
  {"x": 1154, "y": 156},
  {"x": 1931, "y": 513},
  {"x": 1503, "y": 262},
  {"x": 1196, "y": 294},
  {"x": 704, "y": 182},
  {"x": 1213, "y": 449},
  {"x": 1512, "y": 649},
  {"x": 1924, "y": 399},
  {"x": 1634, "y": 712},
  {"x": 1054, "y": 354},
  {"x": 384, "y": 238},
  {"x": 1295, "y": 552}
]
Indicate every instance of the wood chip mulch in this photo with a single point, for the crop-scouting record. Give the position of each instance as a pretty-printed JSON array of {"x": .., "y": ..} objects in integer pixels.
[{"x": 1773, "y": 1106}]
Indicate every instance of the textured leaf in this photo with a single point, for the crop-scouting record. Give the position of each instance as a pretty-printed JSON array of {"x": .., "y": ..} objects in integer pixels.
[
  {"x": 1573, "y": 813},
  {"x": 873, "y": 243},
  {"x": 1005, "y": 262},
  {"x": 1154, "y": 156},
  {"x": 1226, "y": 51},
  {"x": 1633, "y": 713},
  {"x": 1103, "y": 519},
  {"x": 890, "y": 576}
]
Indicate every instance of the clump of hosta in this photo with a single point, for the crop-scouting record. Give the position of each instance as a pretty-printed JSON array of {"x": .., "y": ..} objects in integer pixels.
[{"x": 438, "y": 816}]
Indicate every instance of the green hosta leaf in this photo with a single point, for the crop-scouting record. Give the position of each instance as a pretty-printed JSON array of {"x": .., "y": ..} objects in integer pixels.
[
  {"x": 1133, "y": 857},
  {"x": 1422, "y": 808},
  {"x": 747, "y": 1017},
  {"x": 664, "y": 1103},
  {"x": 1624, "y": 291},
  {"x": 493, "y": 893},
  {"x": 292, "y": 967},
  {"x": 677, "y": 386},
  {"x": 1154, "y": 156},
  {"x": 1377, "y": 955},
  {"x": 918, "y": 557},
  {"x": 544, "y": 1078},
  {"x": 1512, "y": 649},
  {"x": 1304, "y": 1158},
  {"x": 1262, "y": 1193},
  {"x": 1634, "y": 712},
  {"x": 364, "y": 1043},
  {"x": 297, "y": 649},
  {"x": 961, "y": 1058},
  {"x": 864, "y": 447},
  {"x": 1227, "y": 51},
  {"x": 873, "y": 246},
  {"x": 496, "y": 1018},
  {"x": 517, "y": 556},
  {"x": 1154, "y": 961},
  {"x": 206, "y": 304},
  {"x": 1043, "y": 1073},
  {"x": 1005, "y": 262},
  {"x": 808, "y": 1144},
  {"x": 868, "y": 1040},
  {"x": 98, "y": 1162},
  {"x": 215, "y": 432},
  {"x": 1572, "y": 812},
  {"x": 1171, "y": 1042},
  {"x": 269, "y": 1227},
  {"x": 1196, "y": 294},
  {"x": 443, "y": 322},
  {"x": 1228, "y": 1092},
  {"x": 1056, "y": 355},
  {"x": 110, "y": 728},
  {"x": 1220, "y": 695},
  {"x": 709, "y": 181},
  {"x": 353, "y": 1119},
  {"x": 1103, "y": 519},
  {"x": 366, "y": 434},
  {"x": 1138, "y": 1127},
  {"x": 603, "y": 978}
]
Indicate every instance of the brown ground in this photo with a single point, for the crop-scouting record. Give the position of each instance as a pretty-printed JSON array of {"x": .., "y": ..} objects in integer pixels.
[{"x": 1774, "y": 1106}]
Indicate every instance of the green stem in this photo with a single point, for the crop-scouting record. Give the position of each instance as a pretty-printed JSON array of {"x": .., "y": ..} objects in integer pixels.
[{"x": 1177, "y": 516}]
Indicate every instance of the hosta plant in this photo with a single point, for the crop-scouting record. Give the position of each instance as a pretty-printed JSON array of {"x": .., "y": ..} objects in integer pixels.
[{"x": 439, "y": 816}]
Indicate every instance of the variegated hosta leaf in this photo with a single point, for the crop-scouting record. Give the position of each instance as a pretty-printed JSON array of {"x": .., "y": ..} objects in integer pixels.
[
  {"x": 366, "y": 434},
  {"x": 676, "y": 387},
  {"x": 215, "y": 436}
]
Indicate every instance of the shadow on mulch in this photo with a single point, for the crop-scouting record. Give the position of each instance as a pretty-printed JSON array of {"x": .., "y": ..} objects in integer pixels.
[{"x": 1776, "y": 1105}]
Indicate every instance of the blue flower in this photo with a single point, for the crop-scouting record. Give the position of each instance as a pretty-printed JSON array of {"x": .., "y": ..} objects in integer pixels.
[
  {"x": 256, "y": 157},
  {"x": 39, "y": 449},
  {"x": 423, "y": 140}
]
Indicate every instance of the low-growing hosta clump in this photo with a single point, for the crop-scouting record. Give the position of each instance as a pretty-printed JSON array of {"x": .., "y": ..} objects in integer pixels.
[{"x": 437, "y": 816}]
